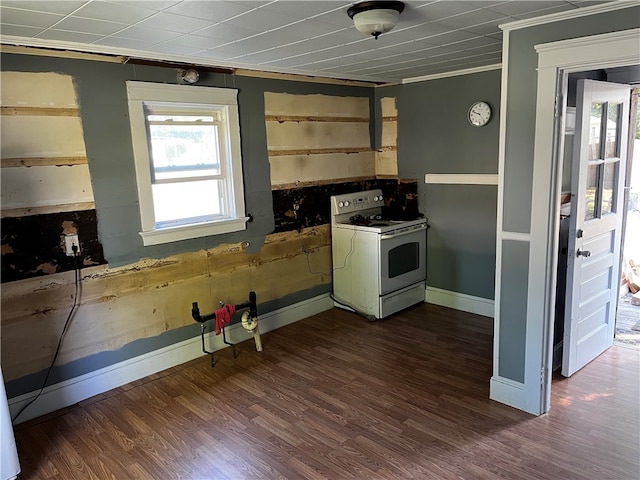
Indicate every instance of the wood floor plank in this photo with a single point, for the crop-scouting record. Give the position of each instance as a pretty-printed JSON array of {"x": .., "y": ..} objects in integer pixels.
[{"x": 338, "y": 397}]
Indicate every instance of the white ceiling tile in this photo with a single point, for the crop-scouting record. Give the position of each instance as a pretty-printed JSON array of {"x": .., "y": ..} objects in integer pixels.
[
  {"x": 174, "y": 23},
  {"x": 224, "y": 31},
  {"x": 309, "y": 29},
  {"x": 261, "y": 20},
  {"x": 87, "y": 25},
  {"x": 158, "y": 5},
  {"x": 306, "y": 37},
  {"x": 449, "y": 37},
  {"x": 217, "y": 57},
  {"x": 209, "y": 10},
  {"x": 544, "y": 11},
  {"x": 410, "y": 48},
  {"x": 19, "y": 30},
  {"x": 126, "y": 43},
  {"x": 27, "y": 18},
  {"x": 67, "y": 36},
  {"x": 147, "y": 35},
  {"x": 476, "y": 17},
  {"x": 308, "y": 9},
  {"x": 493, "y": 3},
  {"x": 196, "y": 42},
  {"x": 487, "y": 49},
  {"x": 422, "y": 32},
  {"x": 173, "y": 49},
  {"x": 489, "y": 28},
  {"x": 588, "y": 3},
  {"x": 263, "y": 58},
  {"x": 254, "y": 3},
  {"x": 439, "y": 10},
  {"x": 338, "y": 18},
  {"x": 293, "y": 50},
  {"x": 476, "y": 41},
  {"x": 63, "y": 7},
  {"x": 339, "y": 37},
  {"x": 523, "y": 7},
  {"x": 129, "y": 12},
  {"x": 230, "y": 50}
]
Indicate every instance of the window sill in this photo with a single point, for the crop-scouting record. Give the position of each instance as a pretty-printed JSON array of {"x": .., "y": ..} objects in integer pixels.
[{"x": 174, "y": 234}]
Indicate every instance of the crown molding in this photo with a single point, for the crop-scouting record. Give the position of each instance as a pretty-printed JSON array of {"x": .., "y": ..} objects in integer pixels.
[
  {"x": 455, "y": 73},
  {"x": 570, "y": 14}
]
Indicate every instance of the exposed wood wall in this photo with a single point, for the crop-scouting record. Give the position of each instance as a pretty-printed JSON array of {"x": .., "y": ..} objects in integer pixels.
[
  {"x": 387, "y": 155},
  {"x": 317, "y": 139},
  {"x": 44, "y": 163},
  {"x": 46, "y": 185},
  {"x": 120, "y": 305},
  {"x": 319, "y": 146}
]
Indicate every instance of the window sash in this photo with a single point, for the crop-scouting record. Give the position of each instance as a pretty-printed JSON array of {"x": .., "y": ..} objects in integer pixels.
[
  {"x": 213, "y": 167},
  {"x": 175, "y": 100}
]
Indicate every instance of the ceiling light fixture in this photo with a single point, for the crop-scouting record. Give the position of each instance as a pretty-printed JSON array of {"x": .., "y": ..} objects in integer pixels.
[{"x": 375, "y": 17}]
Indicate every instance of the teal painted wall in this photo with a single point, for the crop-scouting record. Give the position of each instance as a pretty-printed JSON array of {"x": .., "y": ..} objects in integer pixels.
[
  {"x": 434, "y": 136},
  {"x": 519, "y": 146}
]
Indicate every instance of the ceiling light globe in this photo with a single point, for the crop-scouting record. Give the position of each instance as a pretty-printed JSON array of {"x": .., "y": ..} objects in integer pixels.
[{"x": 375, "y": 22}]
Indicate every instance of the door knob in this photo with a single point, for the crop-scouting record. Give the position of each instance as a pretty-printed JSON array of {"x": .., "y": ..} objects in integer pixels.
[{"x": 583, "y": 253}]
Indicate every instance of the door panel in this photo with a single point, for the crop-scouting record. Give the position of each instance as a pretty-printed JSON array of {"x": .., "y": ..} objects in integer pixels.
[{"x": 602, "y": 114}]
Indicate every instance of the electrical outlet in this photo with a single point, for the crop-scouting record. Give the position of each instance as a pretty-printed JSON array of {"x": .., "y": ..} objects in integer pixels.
[{"x": 69, "y": 242}]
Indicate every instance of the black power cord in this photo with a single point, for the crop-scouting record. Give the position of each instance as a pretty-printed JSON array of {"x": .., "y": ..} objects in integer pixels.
[
  {"x": 371, "y": 318},
  {"x": 307, "y": 253},
  {"x": 64, "y": 331}
]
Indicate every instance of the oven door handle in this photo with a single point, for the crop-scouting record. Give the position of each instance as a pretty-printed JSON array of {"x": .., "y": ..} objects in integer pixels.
[{"x": 407, "y": 232}]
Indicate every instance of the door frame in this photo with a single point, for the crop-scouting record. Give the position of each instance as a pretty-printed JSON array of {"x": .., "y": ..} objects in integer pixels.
[{"x": 555, "y": 61}]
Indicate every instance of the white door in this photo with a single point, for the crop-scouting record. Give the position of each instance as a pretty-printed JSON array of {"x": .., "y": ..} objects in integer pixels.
[{"x": 593, "y": 277}]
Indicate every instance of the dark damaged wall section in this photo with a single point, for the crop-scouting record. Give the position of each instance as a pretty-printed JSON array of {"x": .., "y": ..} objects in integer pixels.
[
  {"x": 33, "y": 246},
  {"x": 298, "y": 208}
]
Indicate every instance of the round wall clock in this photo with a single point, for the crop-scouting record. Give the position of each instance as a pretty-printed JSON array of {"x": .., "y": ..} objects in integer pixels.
[{"x": 479, "y": 114}]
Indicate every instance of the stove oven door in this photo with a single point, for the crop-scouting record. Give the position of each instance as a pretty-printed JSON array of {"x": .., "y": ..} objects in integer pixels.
[{"x": 402, "y": 258}]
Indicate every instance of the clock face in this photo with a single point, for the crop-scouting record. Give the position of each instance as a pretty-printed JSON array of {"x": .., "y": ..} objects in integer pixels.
[{"x": 479, "y": 114}]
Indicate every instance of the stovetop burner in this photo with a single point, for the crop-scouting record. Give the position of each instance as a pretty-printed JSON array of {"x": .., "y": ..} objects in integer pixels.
[
  {"x": 365, "y": 220},
  {"x": 376, "y": 220}
]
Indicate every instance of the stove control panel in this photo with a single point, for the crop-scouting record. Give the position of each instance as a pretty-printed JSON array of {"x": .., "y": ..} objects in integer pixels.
[{"x": 354, "y": 202}]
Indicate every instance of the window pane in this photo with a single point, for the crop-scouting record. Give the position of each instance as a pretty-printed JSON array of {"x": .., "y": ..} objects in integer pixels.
[
  {"x": 611, "y": 150},
  {"x": 187, "y": 202},
  {"x": 592, "y": 188},
  {"x": 610, "y": 185},
  {"x": 180, "y": 151},
  {"x": 594, "y": 131}
]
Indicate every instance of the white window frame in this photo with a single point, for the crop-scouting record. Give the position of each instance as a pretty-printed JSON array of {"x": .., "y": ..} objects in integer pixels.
[{"x": 138, "y": 94}]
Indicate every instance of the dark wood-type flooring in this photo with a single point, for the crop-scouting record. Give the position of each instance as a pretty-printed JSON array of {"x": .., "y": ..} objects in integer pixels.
[{"x": 335, "y": 396}]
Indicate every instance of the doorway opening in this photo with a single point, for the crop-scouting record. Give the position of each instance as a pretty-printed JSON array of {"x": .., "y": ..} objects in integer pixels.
[
  {"x": 627, "y": 318},
  {"x": 627, "y": 331}
]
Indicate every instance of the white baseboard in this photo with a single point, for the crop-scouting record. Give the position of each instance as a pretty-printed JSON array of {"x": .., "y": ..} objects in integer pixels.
[
  {"x": 460, "y": 301},
  {"x": 68, "y": 392}
]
